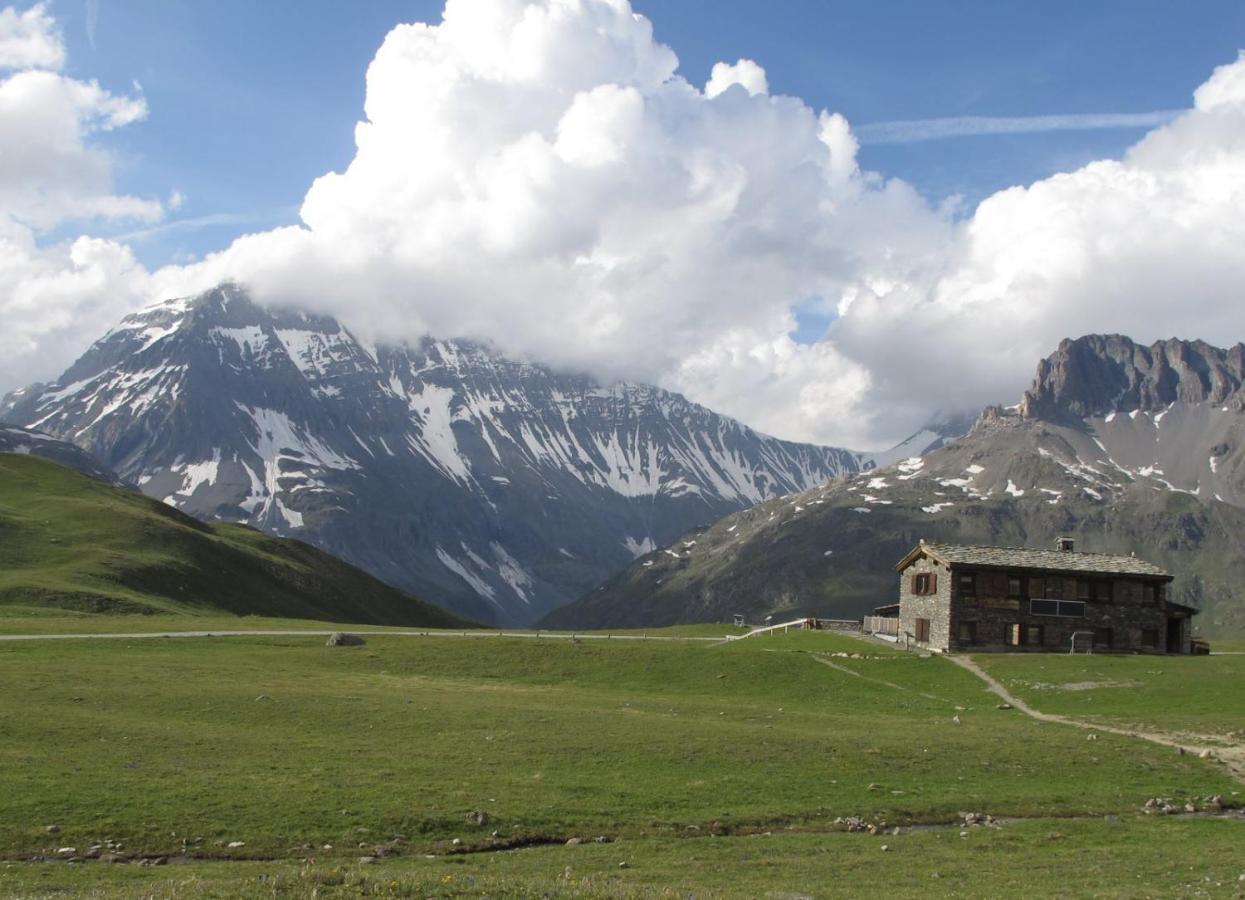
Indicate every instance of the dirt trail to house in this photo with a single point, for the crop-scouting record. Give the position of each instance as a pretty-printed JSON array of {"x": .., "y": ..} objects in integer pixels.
[{"x": 1231, "y": 755}]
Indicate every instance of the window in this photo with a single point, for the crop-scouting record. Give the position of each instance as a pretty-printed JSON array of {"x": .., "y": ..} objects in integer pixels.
[
  {"x": 922, "y": 631},
  {"x": 1150, "y": 638},
  {"x": 1013, "y": 586},
  {"x": 968, "y": 584},
  {"x": 1084, "y": 590},
  {"x": 1067, "y": 609},
  {"x": 1054, "y": 588},
  {"x": 1149, "y": 593},
  {"x": 1025, "y": 635},
  {"x": 966, "y": 632},
  {"x": 924, "y": 583},
  {"x": 1102, "y": 638}
]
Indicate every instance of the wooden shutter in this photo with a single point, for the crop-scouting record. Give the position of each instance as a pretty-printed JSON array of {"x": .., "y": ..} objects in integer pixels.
[
  {"x": 913, "y": 584},
  {"x": 922, "y": 631},
  {"x": 933, "y": 583}
]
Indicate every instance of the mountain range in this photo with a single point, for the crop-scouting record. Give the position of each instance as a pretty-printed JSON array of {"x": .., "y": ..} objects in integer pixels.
[
  {"x": 494, "y": 487},
  {"x": 1129, "y": 448}
]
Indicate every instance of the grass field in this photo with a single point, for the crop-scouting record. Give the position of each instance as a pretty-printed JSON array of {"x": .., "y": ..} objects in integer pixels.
[
  {"x": 1105, "y": 858},
  {"x": 180, "y": 747},
  {"x": 70, "y": 543},
  {"x": 1198, "y": 694}
]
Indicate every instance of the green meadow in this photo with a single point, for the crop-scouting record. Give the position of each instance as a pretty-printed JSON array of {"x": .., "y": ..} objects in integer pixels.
[{"x": 685, "y": 755}]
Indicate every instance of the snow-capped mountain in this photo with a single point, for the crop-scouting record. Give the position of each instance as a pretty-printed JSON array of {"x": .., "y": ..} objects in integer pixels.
[
  {"x": 1130, "y": 448},
  {"x": 498, "y": 488}
]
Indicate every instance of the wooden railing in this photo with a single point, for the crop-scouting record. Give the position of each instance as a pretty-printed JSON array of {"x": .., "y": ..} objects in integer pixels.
[{"x": 804, "y": 624}]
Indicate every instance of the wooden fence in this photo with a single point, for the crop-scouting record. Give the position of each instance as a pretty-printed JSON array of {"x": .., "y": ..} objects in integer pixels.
[{"x": 881, "y": 625}]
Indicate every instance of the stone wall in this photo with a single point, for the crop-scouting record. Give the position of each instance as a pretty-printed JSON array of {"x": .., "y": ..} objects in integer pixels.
[
  {"x": 1129, "y": 615},
  {"x": 936, "y": 607}
]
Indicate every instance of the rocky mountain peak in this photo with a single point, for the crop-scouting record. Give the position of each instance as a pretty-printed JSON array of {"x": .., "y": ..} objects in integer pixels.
[
  {"x": 1097, "y": 375},
  {"x": 495, "y": 486}
]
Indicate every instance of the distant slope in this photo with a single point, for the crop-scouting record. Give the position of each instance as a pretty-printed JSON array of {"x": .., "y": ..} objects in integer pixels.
[
  {"x": 15, "y": 439},
  {"x": 73, "y": 542},
  {"x": 1156, "y": 466},
  {"x": 500, "y": 487}
]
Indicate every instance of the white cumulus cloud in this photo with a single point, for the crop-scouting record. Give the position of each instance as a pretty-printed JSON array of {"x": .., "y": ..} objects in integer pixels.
[
  {"x": 745, "y": 73},
  {"x": 538, "y": 173},
  {"x": 29, "y": 39},
  {"x": 55, "y": 298}
]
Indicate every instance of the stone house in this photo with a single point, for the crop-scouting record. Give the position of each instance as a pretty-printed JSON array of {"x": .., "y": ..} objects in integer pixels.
[{"x": 954, "y": 597}]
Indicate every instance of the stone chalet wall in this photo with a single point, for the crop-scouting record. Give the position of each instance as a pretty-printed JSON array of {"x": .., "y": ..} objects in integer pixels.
[
  {"x": 1127, "y": 614},
  {"x": 936, "y": 607}
]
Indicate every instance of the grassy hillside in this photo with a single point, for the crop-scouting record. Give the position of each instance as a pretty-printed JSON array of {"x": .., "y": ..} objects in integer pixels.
[
  {"x": 831, "y": 551},
  {"x": 72, "y": 543},
  {"x": 306, "y": 758}
]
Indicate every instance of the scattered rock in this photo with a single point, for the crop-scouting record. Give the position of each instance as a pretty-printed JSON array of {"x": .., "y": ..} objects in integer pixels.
[
  {"x": 1091, "y": 737},
  {"x": 366, "y": 860},
  {"x": 67, "y": 851},
  {"x": 478, "y": 817},
  {"x": 160, "y": 861},
  {"x": 234, "y": 845},
  {"x": 573, "y": 842},
  {"x": 53, "y": 829},
  {"x": 1206, "y": 754},
  {"x": 1000, "y": 706},
  {"x": 344, "y": 639},
  {"x": 327, "y": 847},
  {"x": 886, "y": 848},
  {"x": 956, "y": 718},
  {"x": 456, "y": 842},
  {"x": 261, "y": 698},
  {"x": 602, "y": 839},
  {"x": 624, "y": 865}
]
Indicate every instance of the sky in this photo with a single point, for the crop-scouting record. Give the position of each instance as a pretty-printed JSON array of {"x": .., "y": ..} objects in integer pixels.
[{"x": 865, "y": 214}]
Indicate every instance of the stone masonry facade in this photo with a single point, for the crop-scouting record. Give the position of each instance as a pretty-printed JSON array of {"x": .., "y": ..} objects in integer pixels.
[
  {"x": 950, "y": 606},
  {"x": 934, "y": 608}
]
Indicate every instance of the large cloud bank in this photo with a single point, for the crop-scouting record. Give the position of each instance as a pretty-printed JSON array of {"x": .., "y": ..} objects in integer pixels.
[
  {"x": 539, "y": 174},
  {"x": 54, "y": 299}
]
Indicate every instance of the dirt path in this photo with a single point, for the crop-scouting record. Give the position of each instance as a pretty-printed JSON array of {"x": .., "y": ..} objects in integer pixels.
[
  {"x": 1232, "y": 756},
  {"x": 304, "y": 632}
]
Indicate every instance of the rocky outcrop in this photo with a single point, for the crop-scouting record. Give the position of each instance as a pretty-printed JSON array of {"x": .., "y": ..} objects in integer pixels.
[{"x": 1097, "y": 375}]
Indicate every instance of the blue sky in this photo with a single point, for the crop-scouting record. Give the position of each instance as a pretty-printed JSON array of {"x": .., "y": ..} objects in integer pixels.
[{"x": 250, "y": 101}]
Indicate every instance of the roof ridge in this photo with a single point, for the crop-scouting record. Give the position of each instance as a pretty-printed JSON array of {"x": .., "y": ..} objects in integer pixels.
[{"x": 1028, "y": 549}]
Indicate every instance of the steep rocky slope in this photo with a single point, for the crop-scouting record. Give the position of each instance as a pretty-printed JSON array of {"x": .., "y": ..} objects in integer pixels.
[
  {"x": 1132, "y": 449},
  {"x": 495, "y": 487}
]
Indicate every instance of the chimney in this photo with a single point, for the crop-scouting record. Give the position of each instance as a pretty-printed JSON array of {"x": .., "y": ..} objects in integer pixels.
[{"x": 1066, "y": 544}]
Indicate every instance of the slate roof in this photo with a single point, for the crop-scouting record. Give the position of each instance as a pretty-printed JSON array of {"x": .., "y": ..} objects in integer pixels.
[{"x": 1045, "y": 560}]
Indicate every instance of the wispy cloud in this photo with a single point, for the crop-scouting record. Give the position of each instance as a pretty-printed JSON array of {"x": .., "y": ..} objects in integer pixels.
[
  {"x": 262, "y": 217},
  {"x": 910, "y": 131},
  {"x": 92, "y": 20}
]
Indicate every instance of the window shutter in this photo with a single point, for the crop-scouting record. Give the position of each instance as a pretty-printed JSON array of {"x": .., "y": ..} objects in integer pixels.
[
  {"x": 912, "y": 585},
  {"x": 933, "y": 583}
]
